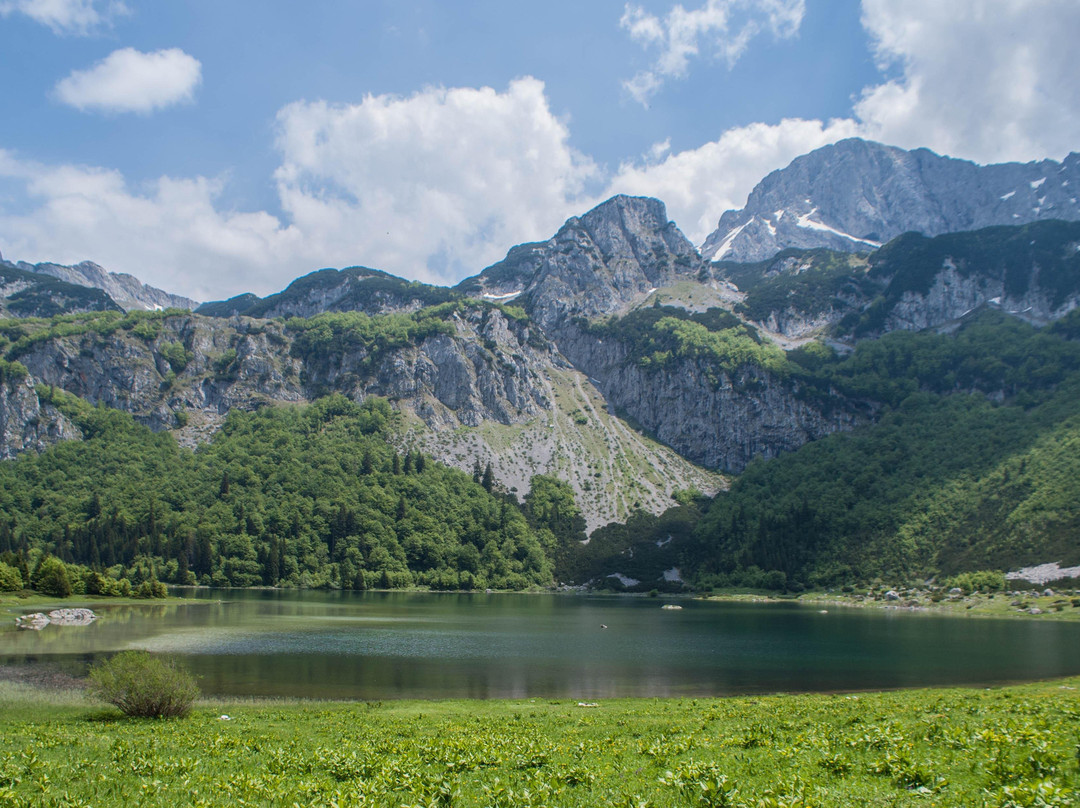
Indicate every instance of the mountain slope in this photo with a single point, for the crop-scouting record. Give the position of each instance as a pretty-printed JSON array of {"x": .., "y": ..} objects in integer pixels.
[
  {"x": 127, "y": 291},
  {"x": 855, "y": 195}
]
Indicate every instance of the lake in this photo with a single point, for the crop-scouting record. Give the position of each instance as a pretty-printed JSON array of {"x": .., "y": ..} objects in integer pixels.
[{"x": 386, "y": 645}]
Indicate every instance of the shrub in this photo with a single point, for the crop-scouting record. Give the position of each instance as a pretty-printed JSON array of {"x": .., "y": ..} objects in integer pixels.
[
  {"x": 10, "y": 578},
  {"x": 144, "y": 685},
  {"x": 51, "y": 578}
]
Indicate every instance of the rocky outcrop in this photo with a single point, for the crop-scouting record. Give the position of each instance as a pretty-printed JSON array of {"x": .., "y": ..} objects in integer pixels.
[
  {"x": 487, "y": 370},
  {"x": 27, "y": 424},
  {"x": 596, "y": 264},
  {"x": 856, "y": 195}
]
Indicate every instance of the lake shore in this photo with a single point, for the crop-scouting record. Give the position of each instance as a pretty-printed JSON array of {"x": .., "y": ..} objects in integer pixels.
[{"x": 1026, "y": 606}]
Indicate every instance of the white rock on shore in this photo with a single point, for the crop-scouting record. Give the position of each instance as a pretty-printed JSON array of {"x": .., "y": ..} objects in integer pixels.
[
  {"x": 57, "y": 617},
  {"x": 1043, "y": 573}
]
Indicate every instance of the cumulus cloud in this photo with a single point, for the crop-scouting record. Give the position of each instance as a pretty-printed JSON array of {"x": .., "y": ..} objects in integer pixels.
[
  {"x": 66, "y": 16},
  {"x": 434, "y": 186},
  {"x": 989, "y": 80},
  {"x": 437, "y": 184},
  {"x": 128, "y": 80},
  {"x": 723, "y": 28},
  {"x": 169, "y": 233}
]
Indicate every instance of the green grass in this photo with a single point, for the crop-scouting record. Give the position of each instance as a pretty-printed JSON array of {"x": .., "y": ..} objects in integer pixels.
[{"x": 1013, "y": 746}]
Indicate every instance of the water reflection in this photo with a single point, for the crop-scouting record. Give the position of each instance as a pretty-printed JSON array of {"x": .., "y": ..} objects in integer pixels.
[{"x": 393, "y": 645}]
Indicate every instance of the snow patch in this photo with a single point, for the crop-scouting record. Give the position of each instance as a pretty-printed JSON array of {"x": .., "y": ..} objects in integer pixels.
[
  {"x": 507, "y": 296},
  {"x": 625, "y": 580},
  {"x": 996, "y": 301},
  {"x": 725, "y": 245},
  {"x": 1009, "y": 195},
  {"x": 1036, "y": 183},
  {"x": 810, "y": 224},
  {"x": 778, "y": 214}
]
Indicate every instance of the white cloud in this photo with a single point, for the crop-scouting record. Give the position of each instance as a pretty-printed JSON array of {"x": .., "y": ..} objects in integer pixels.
[
  {"x": 169, "y": 233},
  {"x": 699, "y": 184},
  {"x": 128, "y": 80},
  {"x": 435, "y": 185},
  {"x": 723, "y": 28},
  {"x": 66, "y": 16},
  {"x": 989, "y": 80}
]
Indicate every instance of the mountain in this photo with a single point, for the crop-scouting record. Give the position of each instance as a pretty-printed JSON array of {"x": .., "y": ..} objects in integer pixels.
[
  {"x": 855, "y": 195},
  {"x": 32, "y": 294},
  {"x": 619, "y": 252},
  {"x": 126, "y": 291},
  {"x": 352, "y": 289}
]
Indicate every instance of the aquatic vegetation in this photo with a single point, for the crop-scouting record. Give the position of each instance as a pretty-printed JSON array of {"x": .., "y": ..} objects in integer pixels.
[{"x": 1001, "y": 748}]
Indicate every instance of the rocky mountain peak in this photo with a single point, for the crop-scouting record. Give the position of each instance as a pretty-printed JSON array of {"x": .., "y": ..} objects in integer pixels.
[
  {"x": 855, "y": 195},
  {"x": 595, "y": 264}
]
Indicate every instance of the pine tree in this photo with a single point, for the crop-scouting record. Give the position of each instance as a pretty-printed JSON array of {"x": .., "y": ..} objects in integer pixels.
[{"x": 489, "y": 478}]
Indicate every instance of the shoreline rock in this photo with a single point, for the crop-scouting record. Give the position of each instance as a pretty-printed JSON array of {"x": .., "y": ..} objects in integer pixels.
[{"x": 57, "y": 617}]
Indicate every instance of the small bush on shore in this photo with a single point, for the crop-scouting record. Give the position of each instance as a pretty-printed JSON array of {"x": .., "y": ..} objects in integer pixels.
[
  {"x": 144, "y": 685},
  {"x": 10, "y": 578}
]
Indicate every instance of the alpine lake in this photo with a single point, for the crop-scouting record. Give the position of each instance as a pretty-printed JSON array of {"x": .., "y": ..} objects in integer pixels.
[{"x": 391, "y": 645}]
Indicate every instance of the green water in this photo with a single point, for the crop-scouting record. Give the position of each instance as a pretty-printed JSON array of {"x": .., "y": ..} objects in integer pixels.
[{"x": 415, "y": 645}]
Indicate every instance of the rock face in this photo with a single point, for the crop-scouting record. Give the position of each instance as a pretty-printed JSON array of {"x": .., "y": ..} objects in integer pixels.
[
  {"x": 720, "y": 422},
  {"x": 485, "y": 371},
  {"x": 596, "y": 264},
  {"x": 126, "y": 290},
  {"x": 856, "y": 195},
  {"x": 26, "y": 424}
]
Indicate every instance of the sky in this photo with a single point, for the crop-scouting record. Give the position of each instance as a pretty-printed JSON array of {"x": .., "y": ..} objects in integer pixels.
[{"x": 212, "y": 148}]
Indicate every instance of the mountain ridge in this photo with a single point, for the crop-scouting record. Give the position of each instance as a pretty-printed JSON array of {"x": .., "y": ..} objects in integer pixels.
[{"x": 855, "y": 195}]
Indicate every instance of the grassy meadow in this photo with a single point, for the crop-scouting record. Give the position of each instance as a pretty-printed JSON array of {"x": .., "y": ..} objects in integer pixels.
[{"x": 1013, "y": 746}]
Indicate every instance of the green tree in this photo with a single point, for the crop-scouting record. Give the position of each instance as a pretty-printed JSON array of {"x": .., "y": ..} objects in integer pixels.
[{"x": 51, "y": 578}]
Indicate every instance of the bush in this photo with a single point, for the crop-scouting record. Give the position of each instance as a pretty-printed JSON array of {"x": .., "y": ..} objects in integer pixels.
[
  {"x": 10, "y": 578},
  {"x": 51, "y": 578},
  {"x": 144, "y": 685}
]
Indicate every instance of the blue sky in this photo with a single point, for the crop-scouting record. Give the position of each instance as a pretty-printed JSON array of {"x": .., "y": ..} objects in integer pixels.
[{"x": 211, "y": 148}]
